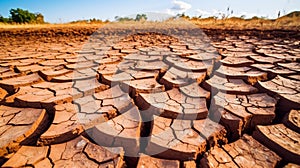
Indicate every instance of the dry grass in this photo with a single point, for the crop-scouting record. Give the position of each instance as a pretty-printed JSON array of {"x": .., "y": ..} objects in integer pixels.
[
  {"x": 44, "y": 26},
  {"x": 285, "y": 23}
]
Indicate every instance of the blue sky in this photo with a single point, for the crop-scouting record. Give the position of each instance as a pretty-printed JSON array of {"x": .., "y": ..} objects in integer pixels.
[{"x": 56, "y": 11}]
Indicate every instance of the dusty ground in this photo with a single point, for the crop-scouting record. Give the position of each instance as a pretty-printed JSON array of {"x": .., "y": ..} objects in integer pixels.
[{"x": 229, "y": 100}]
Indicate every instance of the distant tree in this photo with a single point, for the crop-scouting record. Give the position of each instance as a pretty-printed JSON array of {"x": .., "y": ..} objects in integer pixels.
[
  {"x": 182, "y": 15},
  {"x": 94, "y": 20},
  {"x": 122, "y": 19},
  {"x": 117, "y": 17},
  {"x": 4, "y": 19},
  {"x": 39, "y": 18},
  {"x": 24, "y": 16},
  {"x": 140, "y": 17}
]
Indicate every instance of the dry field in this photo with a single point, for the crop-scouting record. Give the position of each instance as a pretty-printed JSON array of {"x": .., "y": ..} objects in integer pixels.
[
  {"x": 284, "y": 23},
  {"x": 158, "y": 95}
]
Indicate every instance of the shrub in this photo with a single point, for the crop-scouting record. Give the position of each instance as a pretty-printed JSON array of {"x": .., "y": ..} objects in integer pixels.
[
  {"x": 4, "y": 20},
  {"x": 22, "y": 16}
]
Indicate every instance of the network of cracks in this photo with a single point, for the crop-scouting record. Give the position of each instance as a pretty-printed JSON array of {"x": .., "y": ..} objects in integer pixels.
[{"x": 148, "y": 99}]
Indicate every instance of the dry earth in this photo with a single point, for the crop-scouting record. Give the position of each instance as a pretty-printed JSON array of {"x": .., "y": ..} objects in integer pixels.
[{"x": 158, "y": 97}]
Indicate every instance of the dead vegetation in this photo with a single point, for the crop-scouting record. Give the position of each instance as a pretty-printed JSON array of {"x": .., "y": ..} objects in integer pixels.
[{"x": 286, "y": 23}]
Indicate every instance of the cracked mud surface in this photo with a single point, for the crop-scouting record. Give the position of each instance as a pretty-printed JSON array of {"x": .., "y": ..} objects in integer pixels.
[{"x": 149, "y": 97}]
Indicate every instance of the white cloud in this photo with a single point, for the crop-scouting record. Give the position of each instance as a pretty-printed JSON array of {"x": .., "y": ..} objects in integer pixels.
[
  {"x": 178, "y": 7},
  {"x": 181, "y": 6},
  {"x": 170, "y": 12}
]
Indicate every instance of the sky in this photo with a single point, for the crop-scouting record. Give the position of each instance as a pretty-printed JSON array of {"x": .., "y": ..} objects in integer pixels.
[{"x": 60, "y": 11}]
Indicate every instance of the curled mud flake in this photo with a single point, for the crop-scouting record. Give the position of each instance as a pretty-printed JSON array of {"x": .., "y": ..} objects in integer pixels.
[
  {"x": 280, "y": 139},
  {"x": 20, "y": 126}
]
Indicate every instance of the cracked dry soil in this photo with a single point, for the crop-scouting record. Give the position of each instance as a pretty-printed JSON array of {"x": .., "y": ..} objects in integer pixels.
[{"x": 156, "y": 101}]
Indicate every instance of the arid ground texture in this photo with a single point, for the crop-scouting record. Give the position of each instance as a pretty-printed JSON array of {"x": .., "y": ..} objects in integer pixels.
[{"x": 157, "y": 95}]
